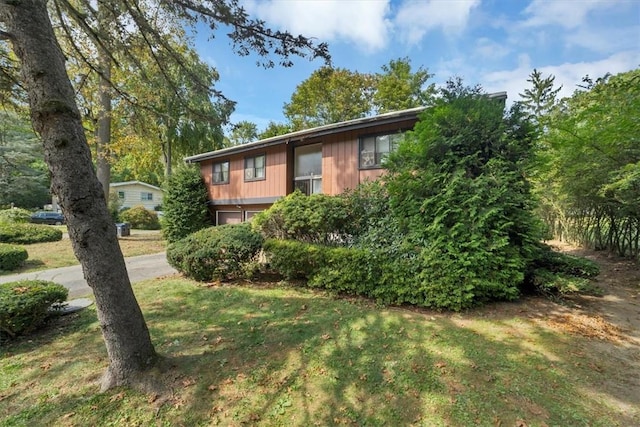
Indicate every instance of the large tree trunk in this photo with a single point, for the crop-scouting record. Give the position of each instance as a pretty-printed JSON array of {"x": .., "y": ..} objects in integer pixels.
[{"x": 55, "y": 117}]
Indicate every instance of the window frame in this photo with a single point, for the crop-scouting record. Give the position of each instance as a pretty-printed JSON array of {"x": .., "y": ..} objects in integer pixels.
[
  {"x": 245, "y": 168},
  {"x": 213, "y": 172},
  {"x": 392, "y": 147},
  {"x": 149, "y": 197}
]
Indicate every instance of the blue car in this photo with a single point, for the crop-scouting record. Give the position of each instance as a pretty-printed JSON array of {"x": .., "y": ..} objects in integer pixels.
[{"x": 51, "y": 218}]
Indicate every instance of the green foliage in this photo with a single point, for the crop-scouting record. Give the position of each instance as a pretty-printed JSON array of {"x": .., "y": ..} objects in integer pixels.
[
  {"x": 12, "y": 257},
  {"x": 329, "y": 95},
  {"x": 185, "y": 204},
  {"x": 15, "y": 215},
  {"x": 24, "y": 305},
  {"x": 398, "y": 88},
  {"x": 25, "y": 234},
  {"x": 243, "y": 132},
  {"x": 293, "y": 259},
  {"x": 215, "y": 253},
  {"x": 114, "y": 205},
  {"x": 275, "y": 129},
  {"x": 587, "y": 178},
  {"x": 463, "y": 207},
  {"x": 140, "y": 218},
  {"x": 316, "y": 219},
  {"x": 24, "y": 179}
]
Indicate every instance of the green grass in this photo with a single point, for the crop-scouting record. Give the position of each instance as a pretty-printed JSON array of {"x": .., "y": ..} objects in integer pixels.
[
  {"x": 272, "y": 355},
  {"x": 60, "y": 254}
]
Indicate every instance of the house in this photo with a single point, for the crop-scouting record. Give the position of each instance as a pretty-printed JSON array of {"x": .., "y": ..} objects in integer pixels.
[
  {"x": 135, "y": 193},
  {"x": 245, "y": 179}
]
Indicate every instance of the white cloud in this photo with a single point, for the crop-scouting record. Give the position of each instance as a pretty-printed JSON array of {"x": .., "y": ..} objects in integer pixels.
[
  {"x": 488, "y": 49},
  {"x": 416, "y": 18},
  {"x": 363, "y": 23},
  {"x": 567, "y": 74},
  {"x": 565, "y": 13},
  {"x": 613, "y": 39}
]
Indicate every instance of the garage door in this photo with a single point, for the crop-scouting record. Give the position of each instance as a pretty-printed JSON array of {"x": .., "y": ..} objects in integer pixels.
[{"x": 223, "y": 217}]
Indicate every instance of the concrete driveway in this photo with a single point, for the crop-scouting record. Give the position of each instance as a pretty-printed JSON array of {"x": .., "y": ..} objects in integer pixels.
[{"x": 139, "y": 268}]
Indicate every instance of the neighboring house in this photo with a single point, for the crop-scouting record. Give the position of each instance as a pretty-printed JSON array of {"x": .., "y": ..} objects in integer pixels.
[
  {"x": 246, "y": 179},
  {"x": 135, "y": 193}
]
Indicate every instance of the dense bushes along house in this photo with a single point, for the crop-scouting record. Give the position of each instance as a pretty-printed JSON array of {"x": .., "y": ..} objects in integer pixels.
[{"x": 246, "y": 179}]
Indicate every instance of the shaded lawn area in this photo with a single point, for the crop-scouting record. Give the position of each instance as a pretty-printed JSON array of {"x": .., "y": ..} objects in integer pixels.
[{"x": 268, "y": 354}]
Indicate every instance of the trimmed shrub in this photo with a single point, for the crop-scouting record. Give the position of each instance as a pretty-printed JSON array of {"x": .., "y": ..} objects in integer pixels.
[
  {"x": 24, "y": 234},
  {"x": 184, "y": 204},
  {"x": 140, "y": 218},
  {"x": 294, "y": 260},
  {"x": 15, "y": 215},
  {"x": 318, "y": 218},
  {"x": 12, "y": 257},
  {"x": 24, "y": 305},
  {"x": 215, "y": 253}
]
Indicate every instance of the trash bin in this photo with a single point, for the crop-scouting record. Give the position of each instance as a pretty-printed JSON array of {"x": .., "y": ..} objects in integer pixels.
[{"x": 123, "y": 229}]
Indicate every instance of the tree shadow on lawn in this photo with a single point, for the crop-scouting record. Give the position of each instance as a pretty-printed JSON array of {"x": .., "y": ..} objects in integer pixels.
[
  {"x": 300, "y": 358},
  {"x": 269, "y": 355}
]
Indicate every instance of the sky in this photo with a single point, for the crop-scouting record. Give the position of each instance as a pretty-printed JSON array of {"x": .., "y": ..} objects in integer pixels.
[{"x": 494, "y": 43}]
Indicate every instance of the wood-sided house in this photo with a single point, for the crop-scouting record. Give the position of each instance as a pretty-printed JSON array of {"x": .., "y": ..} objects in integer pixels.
[{"x": 245, "y": 179}]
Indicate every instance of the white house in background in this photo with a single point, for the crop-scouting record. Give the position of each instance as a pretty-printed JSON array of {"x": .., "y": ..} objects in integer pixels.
[{"x": 135, "y": 193}]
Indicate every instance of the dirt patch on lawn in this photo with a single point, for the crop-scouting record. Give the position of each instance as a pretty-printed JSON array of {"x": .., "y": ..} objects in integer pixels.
[
  {"x": 615, "y": 316},
  {"x": 610, "y": 323}
]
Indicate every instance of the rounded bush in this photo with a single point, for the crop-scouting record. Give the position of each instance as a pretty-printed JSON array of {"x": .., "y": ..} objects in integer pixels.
[
  {"x": 12, "y": 257},
  {"x": 215, "y": 253},
  {"x": 24, "y": 234},
  {"x": 24, "y": 305},
  {"x": 15, "y": 215},
  {"x": 140, "y": 218},
  {"x": 318, "y": 218}
]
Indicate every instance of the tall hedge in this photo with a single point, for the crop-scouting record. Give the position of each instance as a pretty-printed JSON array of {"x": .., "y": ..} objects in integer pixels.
[
  {"x": 25, "y": 234},
  {"x": 184, "y": 204}
]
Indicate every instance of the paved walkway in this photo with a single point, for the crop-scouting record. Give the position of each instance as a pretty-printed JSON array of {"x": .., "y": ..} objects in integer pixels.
[{"x": 139, "y": 268}]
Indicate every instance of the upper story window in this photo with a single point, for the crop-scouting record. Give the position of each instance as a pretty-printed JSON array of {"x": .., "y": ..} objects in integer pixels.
[
  {"x": 146, "y": 196},
  {"x": 254, "y": 167},
  {"x": 221, "y": 172},
  {"x": 373, "y": 149},
  {"x": 120, "y": 194}
]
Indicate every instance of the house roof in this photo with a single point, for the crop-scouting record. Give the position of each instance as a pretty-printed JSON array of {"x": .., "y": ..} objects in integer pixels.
[
  {"x": 122, "y": 184},
  {"x": 301, "y": 135},
  {"x": 393, "y": 117}
]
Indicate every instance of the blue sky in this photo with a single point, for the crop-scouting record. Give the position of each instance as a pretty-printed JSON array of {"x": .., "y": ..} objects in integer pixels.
[{"x": 494, "y": 43}]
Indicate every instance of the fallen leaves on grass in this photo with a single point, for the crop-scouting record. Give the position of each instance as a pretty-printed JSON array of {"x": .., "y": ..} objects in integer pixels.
[{"x": 595, "y": 327}]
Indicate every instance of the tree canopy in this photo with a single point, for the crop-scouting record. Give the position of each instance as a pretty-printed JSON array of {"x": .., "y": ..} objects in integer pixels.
[
  {"x": 113, "y": 26},
  {"x": 590, "y": 165}
]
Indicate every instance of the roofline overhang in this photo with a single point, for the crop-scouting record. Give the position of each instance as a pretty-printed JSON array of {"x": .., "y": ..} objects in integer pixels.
[{"x": 320, "y": 131}]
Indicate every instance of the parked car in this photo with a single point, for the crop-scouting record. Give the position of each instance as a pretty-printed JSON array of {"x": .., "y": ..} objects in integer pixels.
[{"x": 51, "y": 218}]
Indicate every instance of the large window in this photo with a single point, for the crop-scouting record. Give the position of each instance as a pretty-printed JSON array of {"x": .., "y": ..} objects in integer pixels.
[
  {"x": 254, "y": 167},
  {"x": 373, "y": 149},
  {"x": 308, "y": 169},
  {"x": 146, "y": 196},
  {"x": 221, "y": 172}
]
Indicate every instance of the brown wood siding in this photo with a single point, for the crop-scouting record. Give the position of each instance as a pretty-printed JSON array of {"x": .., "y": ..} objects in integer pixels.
[
  {"x": 273, "y": 185},
  {"x": 340, "y": 166},
  {"x": 340, "y": 159}
]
